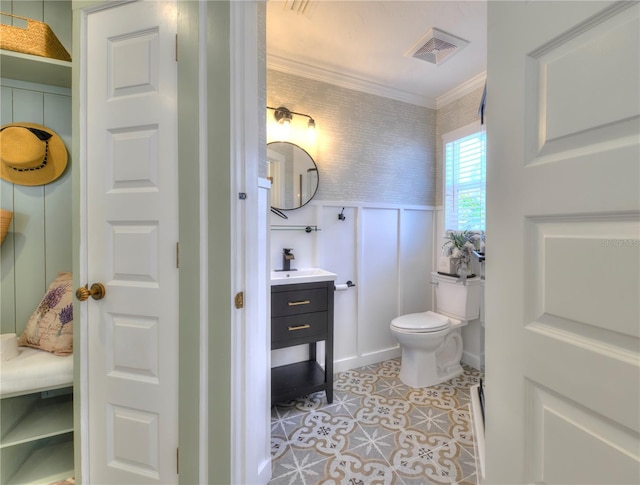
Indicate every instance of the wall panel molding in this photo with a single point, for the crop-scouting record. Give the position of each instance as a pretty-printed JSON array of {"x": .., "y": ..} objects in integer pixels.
[{"x": 385, "y": 249}]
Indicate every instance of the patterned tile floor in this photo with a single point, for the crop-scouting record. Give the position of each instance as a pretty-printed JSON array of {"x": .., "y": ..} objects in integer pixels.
[{"x": 376, "y": 431}]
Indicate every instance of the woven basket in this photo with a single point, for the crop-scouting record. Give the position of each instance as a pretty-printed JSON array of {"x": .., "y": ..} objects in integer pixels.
[
  {"x": 37, "y": 39},
  {"x": 5, "y": 221}
]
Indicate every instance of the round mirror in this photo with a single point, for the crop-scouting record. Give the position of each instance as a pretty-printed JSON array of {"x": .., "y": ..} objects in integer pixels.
[{"x": 293, "y": 175}]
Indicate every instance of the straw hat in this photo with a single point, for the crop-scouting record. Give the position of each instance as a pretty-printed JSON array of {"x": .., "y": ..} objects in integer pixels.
[{"x": 31, "y": 154}]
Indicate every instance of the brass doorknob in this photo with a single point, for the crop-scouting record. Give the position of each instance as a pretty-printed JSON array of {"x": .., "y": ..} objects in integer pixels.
[{"x": 96, "y": 292}]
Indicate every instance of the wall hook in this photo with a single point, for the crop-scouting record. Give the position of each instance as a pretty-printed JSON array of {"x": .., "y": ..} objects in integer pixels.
[{"x": 341, "y": 216}]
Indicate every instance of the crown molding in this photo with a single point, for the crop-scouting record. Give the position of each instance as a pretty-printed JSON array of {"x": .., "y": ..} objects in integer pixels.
[
  {"x": 346, "y": 81},
  {"x": 462, "y": 90}
]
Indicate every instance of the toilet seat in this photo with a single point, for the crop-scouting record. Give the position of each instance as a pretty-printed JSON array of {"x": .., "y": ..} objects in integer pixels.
[{"x": 425, "y": 322}]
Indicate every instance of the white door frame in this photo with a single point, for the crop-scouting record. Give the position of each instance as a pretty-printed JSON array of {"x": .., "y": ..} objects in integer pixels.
[{"x": 250, "y": 448}]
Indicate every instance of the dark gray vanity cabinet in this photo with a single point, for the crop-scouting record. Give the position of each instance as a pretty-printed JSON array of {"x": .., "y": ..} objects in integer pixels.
[{"x": 302, "y": 314}]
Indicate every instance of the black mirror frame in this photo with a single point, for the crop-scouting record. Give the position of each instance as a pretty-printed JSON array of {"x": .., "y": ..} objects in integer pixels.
[{"x": 308, "y": 170}]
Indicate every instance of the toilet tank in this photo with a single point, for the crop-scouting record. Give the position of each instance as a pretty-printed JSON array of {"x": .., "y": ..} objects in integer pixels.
[{"x": 455, "y": 299}]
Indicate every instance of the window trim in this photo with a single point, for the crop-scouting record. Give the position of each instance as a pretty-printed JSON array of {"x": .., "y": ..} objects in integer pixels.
[
  {"x": 461, "y": 132},
  {"x": 449, "y": 137}
]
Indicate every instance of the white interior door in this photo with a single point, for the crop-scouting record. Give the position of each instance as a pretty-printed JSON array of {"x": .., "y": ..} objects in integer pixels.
[
  {"x": 131, "y": 232},
  {"x": 563, "y": 243}
]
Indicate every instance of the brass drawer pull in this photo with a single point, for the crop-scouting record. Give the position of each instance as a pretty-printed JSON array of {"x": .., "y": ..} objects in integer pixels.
[
  {"x": 300, "y": 327},
  {"x": 296, "y": 303}
]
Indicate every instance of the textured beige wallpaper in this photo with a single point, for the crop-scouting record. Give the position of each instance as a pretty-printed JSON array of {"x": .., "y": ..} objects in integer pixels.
[
  {"x": 454, "y": 115},
  {"x": 369, "y": 148}
]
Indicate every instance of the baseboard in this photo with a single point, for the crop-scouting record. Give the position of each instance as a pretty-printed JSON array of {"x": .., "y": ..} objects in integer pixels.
[
  {"x": 354, "y": 362},
  {"x": 368, "y": 359},
  {"x": 471, "y": 359},
  {"x": 478, "y": 430}
]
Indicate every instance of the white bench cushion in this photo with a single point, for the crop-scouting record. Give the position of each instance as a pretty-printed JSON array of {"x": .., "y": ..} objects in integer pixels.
[{"x": 35, "y": 370}]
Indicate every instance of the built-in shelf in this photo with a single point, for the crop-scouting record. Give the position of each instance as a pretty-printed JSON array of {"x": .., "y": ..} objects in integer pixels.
[
  {"x": 36, "y": 442},
  {"x": 36, "y": 427},
  {"x": 35, "y": 69},
  {"x": 47, "y": 464},
  {"x": 49, "y": 417}
]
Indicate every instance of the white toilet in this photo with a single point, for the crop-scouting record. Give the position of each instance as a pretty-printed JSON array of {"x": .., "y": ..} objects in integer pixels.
[{"x": 431, "y": 342}]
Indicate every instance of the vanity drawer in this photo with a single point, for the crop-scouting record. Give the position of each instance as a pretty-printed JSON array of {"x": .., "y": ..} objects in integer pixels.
[
  {"x": 298, "y": 301},
  {"x": 298, "y": 329}
]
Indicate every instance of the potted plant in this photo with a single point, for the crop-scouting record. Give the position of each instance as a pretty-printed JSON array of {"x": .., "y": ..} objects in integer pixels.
[{"x": 458, "y": 247}]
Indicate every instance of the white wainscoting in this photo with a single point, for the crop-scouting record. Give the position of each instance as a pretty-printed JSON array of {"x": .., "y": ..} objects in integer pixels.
[{"x": 386, "y": 250}]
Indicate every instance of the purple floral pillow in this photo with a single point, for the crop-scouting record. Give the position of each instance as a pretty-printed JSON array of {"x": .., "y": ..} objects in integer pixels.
[{"x": 50, "y": 327}]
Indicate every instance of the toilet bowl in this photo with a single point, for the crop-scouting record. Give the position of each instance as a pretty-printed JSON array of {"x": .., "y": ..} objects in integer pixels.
[{"x": 431, "y": 342}]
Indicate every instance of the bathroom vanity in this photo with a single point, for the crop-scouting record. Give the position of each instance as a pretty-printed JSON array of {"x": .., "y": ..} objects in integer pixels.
[{"x": 302, "y": 313}]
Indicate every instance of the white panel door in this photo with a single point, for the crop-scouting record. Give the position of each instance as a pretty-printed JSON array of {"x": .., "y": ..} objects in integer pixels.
[
  {"x": 563, "y": 239},
  {"x": 132, "y": 225}
]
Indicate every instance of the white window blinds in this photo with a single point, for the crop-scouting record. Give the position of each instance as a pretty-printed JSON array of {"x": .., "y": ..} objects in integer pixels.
[{"x": 465, "y": 174}]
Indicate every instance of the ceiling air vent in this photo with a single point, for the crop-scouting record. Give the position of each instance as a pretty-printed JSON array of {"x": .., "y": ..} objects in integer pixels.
[{"x": 436, "y": 46}]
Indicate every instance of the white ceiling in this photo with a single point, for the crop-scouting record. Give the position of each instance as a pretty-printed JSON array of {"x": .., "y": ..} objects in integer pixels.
[{"x": 361, "y": 45}]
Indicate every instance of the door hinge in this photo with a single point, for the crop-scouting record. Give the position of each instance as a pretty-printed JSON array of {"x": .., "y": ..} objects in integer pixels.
[
  {"x": 178, "y": 461},
  {"x": 176, "y": 47},
  {"x": 239, "y": 300},
  {"x": 177, "y": 255}
]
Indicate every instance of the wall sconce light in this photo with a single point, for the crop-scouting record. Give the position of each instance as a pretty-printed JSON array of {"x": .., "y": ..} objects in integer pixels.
[
  {"x": 284, "y": 116},
  {"x": 282, "y": 128}
]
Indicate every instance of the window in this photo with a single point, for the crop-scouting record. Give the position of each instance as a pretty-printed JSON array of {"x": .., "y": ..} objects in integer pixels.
[{"x": 465, "y": 174}]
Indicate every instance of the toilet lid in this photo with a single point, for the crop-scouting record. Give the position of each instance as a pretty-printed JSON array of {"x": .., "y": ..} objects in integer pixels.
[{"x": 421, "y": 322}]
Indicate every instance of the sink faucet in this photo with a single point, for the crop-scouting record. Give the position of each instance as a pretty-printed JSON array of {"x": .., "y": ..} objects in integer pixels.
[{"x": 287, "y": 256}]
